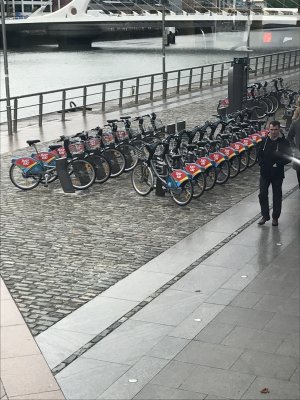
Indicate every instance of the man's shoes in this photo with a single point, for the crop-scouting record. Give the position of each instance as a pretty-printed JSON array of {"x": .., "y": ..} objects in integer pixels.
[
  {"x": 275, "y": 221},
  {"x": 263, "y": 220}
]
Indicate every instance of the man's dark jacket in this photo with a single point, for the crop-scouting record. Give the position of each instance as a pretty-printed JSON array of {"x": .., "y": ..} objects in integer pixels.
[{"x": 272, "y": 156}]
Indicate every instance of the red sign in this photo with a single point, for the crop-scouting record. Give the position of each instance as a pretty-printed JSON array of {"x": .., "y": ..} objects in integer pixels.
[{"x": 267, "y": 37}]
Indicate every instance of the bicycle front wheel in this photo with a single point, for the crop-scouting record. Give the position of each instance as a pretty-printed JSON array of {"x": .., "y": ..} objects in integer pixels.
[
  {"x": 101, "y": 166},
  {"x": 223, "y": 172},
  {"x": 130, "y": 154},
  {"x": 199, "y": 184},
  {"x": 142, "y": 179},
  {"x": 82, "y": 174},
  {"x": 21, "y": 181},
  {"x": 117, "y": 161},
  {"x": 183, "y": 194}
]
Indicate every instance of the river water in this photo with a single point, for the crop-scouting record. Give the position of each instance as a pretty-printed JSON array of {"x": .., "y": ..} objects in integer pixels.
[{"x": 48, "y": 68}]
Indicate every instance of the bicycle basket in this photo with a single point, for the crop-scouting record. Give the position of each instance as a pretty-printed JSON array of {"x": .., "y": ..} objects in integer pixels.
[
  {"x": 108, "y": 138},
  {"x": 122, "y": 135},
  {"x": 76, "y": 148},
  {"x": 159, "y": 126},
  {"x": 92, "y": 143}
]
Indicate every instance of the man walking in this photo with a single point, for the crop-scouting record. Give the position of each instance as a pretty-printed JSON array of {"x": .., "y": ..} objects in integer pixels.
[{"x": 272, "y": 156}]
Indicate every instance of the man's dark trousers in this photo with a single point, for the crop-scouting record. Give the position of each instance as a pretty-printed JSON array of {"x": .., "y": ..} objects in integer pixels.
[{"x": 276, "y": 183}]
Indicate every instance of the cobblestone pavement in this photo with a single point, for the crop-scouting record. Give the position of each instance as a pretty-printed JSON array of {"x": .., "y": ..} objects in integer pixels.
[{"x": 59, "y": 251}]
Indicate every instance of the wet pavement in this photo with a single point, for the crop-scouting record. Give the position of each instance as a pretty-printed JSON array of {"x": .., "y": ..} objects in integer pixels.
[{"x": 63, "y": 251}]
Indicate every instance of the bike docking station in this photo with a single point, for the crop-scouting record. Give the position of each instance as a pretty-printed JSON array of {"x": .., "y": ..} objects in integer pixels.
[
  {"x": 63, "y": 176},
  {"x": 237, "y": 83},
  {"x": 159, "y": 189},
  {"x": 171, "y": 129}
]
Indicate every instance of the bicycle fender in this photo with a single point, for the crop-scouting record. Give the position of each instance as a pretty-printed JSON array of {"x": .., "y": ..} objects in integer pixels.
[
  {"x": 193, "y": 169},
  {"x": 264, "y": 133},
  {"x": 28, "y": 164},
  {"x": 229, "y": 152},
  {"x": 176, "y": 178},
  {"x": 205, "y": 162},
  {"x": 238, "y": 146},
  {"x": 256, "y": 137},
  {"x": 247, "y": 142},
  {"x": 217, "y": 157},
  {"x": 44, "y": 156}
]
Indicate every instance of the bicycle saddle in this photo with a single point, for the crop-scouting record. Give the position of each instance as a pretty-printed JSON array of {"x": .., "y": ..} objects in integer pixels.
[
  {"x": 125, "y": 117},
  {"x": 213, "y": 142},
  {"x": 54, "y": 146},
  {"x": 202, "y": 143},
  {"x": 111, "y": 121},
  {"x": 31, "y": 142},
  {"x": 191, "y": 146}
]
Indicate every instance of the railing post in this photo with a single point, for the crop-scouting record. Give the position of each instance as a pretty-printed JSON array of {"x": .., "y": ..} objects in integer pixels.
[
  {"x": 178, "y": 81},
  {"x": 164, "y": 84},
  {"x": 63, "y": 106},
  {"x": 222, "y": 74},
  {"x": 283, "y": 61},
  {"x": 277, "y": 62},
  {"x": 41, "y": 109},
  {"x": 263, "y": 66},
  {"x": 84, "y": 100},
  {"x": 137, "y": 88},
  {"x": 212, "y": 75},
  {"x": 15, "y": 127},
  {"x": 201, "y": 78},
  {"x": 256, "y": 66},
  {"x": 121, "y": 93},
  {"x": 151, "y": 87},
  {"x": 290, "y": 59},
  {"x": 270, "y": 65},
  {"x": 103, "y": 96},
  {"x": 190, "y": 79}
]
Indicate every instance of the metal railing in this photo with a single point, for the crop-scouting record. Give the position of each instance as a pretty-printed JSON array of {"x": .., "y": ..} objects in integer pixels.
[{"x": 138, "y": 89}]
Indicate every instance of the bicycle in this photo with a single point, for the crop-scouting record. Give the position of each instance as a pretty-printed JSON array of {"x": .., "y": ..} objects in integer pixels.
[
  {"x": 26, "y": 173},
  {"x": 176, "y": 181}
]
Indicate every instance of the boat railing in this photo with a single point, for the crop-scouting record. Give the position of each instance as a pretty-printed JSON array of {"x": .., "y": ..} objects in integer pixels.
[{"x": 115, "y": 94}]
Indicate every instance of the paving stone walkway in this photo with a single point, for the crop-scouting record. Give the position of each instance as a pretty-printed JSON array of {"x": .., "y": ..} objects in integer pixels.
[{"x": 60, "y": 251}]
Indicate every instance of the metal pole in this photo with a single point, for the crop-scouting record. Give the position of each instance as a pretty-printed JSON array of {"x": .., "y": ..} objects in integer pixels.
[
  {"x": 8, "y": 107},
  {"x": 163, "y": 52}
]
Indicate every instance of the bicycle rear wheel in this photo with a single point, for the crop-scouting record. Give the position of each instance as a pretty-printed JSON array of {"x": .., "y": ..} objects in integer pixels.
[
  {"x": 142, "y": 179},
  {"x": 262, "y": 111},
  {"x": 199, "y": 184},
  {"x": 117, "y": 161},
  {"x": 21, "y": 181},
  {"x": 275, "y": 102},
  {"x": 82, "y": 174},
  {"x": 101, "y": 166},
  {"x": 235, "y": 166},
  {"x": 211, "y": 177},
  {"x": 183, "y": 194},
  {"x": 223, "y": 172},
  {"x": 252, "y": 156},
  {"x": 244, "y": 157}
]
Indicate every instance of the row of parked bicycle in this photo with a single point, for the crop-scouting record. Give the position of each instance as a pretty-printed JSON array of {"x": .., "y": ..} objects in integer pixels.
[
  {"x": 185, "y": 163},
  {"x": 93, "y": 156},
  {"x": 268, "y": 97}
]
